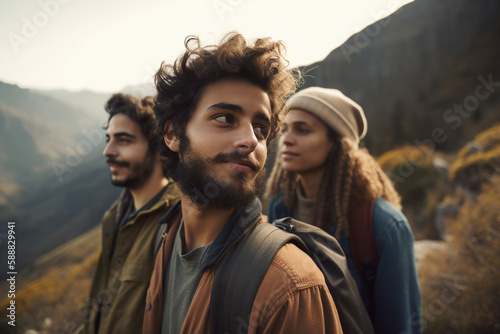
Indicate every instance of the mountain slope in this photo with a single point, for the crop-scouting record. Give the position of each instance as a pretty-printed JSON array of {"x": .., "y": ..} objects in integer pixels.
[
  {"x": 53, "y": 179},
  {"x": 91, "y": 103},
  {"x": 408, "y": 69},
  {"x": 47, "y": 289},
  {"x": 37, "y": 130}
]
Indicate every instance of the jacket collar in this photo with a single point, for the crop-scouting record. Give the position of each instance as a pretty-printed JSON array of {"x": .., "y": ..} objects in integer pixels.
[
  {"x": 170, "y": 195},
  {"x": 236, "y": 226}
]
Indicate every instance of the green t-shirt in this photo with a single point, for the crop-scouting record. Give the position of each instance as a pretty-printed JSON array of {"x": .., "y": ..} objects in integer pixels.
[{"x": 181, "y": 280}]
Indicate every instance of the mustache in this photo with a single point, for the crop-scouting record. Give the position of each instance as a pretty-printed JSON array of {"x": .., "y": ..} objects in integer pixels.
[
  {"x": 237, "y": 155},
  {"x": 118, "y": 162}
]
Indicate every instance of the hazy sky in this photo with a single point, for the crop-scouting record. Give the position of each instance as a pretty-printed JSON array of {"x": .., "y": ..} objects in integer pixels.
[{"x": 107, "y": 45}]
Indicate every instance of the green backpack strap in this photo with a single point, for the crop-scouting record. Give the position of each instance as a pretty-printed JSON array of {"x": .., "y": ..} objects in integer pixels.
[
  {"x": 362, "y": 241},
  {"x": 233, "y": 293}
]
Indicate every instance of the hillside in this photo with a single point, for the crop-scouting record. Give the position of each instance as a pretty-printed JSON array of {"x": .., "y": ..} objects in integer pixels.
[
  {"x": 410, "y": 70},
  {"x": 37, "y": 133},
  {"x": 48, "y": 297},
  {"x": 53, "y": 179},
  {"x": 49, "y": 123},
  {"x": 88, "y": 102},
  {"x": 460, "y": 286},
  {"x": 53, "y": 213}
]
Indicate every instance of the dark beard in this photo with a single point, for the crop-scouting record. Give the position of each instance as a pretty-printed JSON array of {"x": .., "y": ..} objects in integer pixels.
[
  {"x": 139, "y": 172},
  {"x": 203, "y": 189}
]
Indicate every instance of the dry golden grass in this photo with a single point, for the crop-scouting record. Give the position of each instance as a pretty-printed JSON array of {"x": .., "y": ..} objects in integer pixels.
[
  {"x": 8, "y": 188},
  {"x": 57, "y": 287},
  {"x": 460, "y": 285},
  {"x": 480, "y": 158},
  {"x": 391, "y": 160},
  {"x": 419, "y": 184},
  {"x": 57, "y": 296},
  {"x": 460, "y": 280}
]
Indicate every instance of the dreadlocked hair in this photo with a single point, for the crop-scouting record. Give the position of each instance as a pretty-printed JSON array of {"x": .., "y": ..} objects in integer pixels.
[{"x": 351, "y": 175}]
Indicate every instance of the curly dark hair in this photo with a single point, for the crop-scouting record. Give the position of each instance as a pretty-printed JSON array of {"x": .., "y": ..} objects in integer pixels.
[
  {"x": 140, "y": 111},
  {"x": 180, "y": 86}
]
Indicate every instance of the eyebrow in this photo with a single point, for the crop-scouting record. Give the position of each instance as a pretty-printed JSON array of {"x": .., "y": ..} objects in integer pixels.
[
  {"x": 238, "y": 109},
  {"x": 297, "y": 123},
  {"x": 229, "y": 106},
  {"x": 122, "y": 134}
]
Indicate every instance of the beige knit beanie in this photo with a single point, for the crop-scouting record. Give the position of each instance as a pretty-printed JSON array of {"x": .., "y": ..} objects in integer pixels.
[{"x": 336, "y": 110}]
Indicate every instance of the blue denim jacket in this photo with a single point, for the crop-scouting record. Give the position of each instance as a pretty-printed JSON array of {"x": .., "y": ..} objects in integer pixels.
[{"x": 395, "y": 304}]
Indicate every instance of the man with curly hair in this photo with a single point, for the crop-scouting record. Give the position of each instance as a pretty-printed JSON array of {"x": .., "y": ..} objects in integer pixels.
[
  {"x": 118, "y": 291},
  {"x": 324, "y": 178},
  {"x": 218, "y": 108}
]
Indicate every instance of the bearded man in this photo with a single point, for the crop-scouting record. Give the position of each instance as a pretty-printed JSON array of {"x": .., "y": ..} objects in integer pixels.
[
  {"x": 218, "y": 108},
  {"x": 118, "y": 291}
]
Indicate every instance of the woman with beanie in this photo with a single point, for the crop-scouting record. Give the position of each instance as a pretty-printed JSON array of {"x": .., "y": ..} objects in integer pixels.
[{"x": 322, "y": 177}]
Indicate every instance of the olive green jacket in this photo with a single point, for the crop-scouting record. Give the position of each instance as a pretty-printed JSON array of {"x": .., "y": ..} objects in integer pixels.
[{"x": 122, "y": 276}]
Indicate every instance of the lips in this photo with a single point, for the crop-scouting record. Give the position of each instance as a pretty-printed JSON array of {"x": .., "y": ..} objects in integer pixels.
[
  {"x": 242, "y": 165},
  {"x": 288, "y": 155},
  {"x": 114, "y": 168},
  {"x": 114, "y": 165},
  {"x": 238, "y": 162}
]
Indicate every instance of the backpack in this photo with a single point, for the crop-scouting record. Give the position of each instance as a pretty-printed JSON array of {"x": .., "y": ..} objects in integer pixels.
[
  {"x": 252, "y": 256},
  {"x": 362, "y": 242}
]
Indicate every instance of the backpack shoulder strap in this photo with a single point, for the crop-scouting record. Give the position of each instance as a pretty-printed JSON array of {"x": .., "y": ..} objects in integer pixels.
[
  {"x": 329, "y": 257},
  {"x": 239, "y": 275},
  {"x": 361, "y": 239}
]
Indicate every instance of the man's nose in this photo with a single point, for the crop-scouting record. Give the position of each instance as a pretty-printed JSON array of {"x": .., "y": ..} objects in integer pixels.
[
  {"x": 246, "y": 140},
  {"x": 109, "y": 150}
]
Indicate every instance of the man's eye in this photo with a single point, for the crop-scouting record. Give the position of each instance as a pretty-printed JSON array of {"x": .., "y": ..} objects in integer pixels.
[
  {"x": 262, "y": 131},
  {"x": 224, "y": 119}
]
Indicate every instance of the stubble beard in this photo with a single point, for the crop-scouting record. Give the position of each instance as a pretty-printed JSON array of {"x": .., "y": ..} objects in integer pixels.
[
  {"x": 197, "y": 180},
  {"x": 139, "y": 172}
]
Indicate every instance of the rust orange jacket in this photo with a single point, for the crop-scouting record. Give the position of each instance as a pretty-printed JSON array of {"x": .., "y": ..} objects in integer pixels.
[{"x": 292, "y": 298}]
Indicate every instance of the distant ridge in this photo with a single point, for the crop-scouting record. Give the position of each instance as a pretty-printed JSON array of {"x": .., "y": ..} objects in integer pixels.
[
  {"x": 408, "y": 69},
  {"x": 91, "y": 103}
]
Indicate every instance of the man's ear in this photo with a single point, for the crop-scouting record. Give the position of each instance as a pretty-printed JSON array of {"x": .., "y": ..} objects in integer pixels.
[{"x": 171, "y": 140}]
